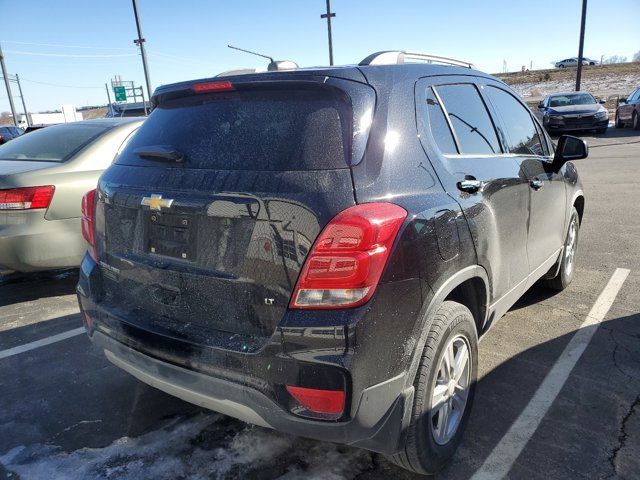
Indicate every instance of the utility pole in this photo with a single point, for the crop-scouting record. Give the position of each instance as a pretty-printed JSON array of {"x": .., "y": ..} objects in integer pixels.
[
  {"x": 24, "y": 106},
  {"x": 329, "y": 15},
  {"x": 140, "y": 42},
  {"x": 581, "y": 47},
  {"x": 8, "y": 87},
  {"x": 108, "y": 95}
]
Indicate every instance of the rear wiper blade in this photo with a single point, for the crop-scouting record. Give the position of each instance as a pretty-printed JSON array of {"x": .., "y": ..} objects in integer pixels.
[{"x": 160, "y": 152}]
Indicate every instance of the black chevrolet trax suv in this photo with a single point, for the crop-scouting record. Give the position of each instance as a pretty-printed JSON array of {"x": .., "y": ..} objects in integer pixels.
[{"x": 318, "y": 250}]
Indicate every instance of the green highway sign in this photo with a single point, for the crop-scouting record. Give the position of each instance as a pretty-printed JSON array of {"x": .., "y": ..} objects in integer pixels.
[{"x": 120, "y": 94}]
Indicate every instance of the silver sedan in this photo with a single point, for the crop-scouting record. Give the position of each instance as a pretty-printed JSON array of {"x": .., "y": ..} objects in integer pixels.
[{"x": 43, "y": 176}]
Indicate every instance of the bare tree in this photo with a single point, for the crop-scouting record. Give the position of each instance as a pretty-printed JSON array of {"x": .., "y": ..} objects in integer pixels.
[
  {"x": 636, "y": 56},
  {"x": 615, "y": 59}
]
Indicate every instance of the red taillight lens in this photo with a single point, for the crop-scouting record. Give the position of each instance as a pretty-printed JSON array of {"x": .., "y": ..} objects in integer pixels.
[
  {"x": 89, "y": 221},
  {"x": 319, "y": 401},
  {"x": 27, "y": 198},
  {"x": 346, "y": 261},
  {"x": 210, "y": 87}
]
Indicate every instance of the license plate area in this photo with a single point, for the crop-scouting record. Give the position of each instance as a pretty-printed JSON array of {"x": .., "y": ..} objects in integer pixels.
[{"x": 171, "y": 236}]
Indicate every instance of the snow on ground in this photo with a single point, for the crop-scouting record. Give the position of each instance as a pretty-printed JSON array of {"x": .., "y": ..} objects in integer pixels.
[
  {"x": 595, "y": 84},
  {"x": 207, "y": 446}
]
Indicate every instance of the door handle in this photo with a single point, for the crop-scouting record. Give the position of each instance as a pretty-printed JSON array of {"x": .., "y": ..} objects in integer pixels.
[
  {"x": 536, "y": 184},
  {"x": 469, "y": 184}
]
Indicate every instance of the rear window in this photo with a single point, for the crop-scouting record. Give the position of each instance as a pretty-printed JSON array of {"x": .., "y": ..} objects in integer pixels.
[
  {"x": 57, "y": 143},
  {"x": 296, "y": 129}
]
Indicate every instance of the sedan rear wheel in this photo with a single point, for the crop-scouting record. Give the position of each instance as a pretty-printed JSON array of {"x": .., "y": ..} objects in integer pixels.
[
  {"x": 619, "y": 123},
  {"x": 636, "y": 121}
]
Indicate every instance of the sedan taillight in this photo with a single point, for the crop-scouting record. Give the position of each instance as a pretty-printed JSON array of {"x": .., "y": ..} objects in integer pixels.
[
  {"x": 89, "y": 221},
  {"x": 26, "y": 198}
]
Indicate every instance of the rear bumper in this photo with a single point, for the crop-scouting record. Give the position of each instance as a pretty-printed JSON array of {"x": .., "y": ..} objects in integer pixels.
[
  {"x": 248, "y": 386},
  {"x": 30, "y": 243}
]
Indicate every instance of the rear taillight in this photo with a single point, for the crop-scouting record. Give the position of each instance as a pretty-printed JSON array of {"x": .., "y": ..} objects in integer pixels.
[
  {"x": 328, "y": 402},
  {"x": 26, "y": 198},
  {"x": 347, "y": 259},
  {"x": 210, "y": 87},
  {"x": 89, "y": 221}
]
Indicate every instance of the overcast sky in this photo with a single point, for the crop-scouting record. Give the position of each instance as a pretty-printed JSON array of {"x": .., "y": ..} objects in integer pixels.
[{"x": 72, "y": 47}]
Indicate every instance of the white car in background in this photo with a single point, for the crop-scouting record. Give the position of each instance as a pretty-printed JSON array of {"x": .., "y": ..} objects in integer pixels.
[{"x": 570, "y": 62}]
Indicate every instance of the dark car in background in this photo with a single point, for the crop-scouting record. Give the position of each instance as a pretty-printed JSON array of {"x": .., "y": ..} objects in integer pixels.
[
  {"x": 573, "y": 111},
  {"x": 628, "y": 111},
  {"x": 9, "y": 133},
  {"x": 318, "y": 250}
]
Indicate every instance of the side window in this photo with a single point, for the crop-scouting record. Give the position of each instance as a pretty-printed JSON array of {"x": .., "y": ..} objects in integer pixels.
[
  {"x": 519, "y": 127},
  {"x": 470, "y": 120},
  {"x": 439, "y": 125}
]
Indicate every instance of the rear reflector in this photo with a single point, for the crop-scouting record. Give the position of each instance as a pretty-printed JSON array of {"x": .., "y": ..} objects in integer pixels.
[
  {"x": 210, "y": 87},
  {"x": 319, "y": 401},
  {"x": 347, "y": 259},
  {"x": 27, "y": 198},
  {"x": 89, "y": 221}
]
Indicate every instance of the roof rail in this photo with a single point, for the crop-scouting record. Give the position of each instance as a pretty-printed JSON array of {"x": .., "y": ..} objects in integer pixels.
[{"x": 401, "y": 56}]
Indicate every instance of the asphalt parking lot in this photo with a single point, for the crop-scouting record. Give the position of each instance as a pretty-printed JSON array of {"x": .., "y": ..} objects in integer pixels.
[{"x": 66, "y": 412}]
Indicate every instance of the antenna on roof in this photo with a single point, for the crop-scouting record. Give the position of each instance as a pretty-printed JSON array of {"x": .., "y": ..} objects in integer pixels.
[
  {"x": 252, "y": 53},
  {"x": 274, "y": 65}
]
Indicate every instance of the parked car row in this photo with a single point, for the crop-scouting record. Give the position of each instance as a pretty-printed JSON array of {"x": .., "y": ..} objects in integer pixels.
[{"x": 282, "y": 247}]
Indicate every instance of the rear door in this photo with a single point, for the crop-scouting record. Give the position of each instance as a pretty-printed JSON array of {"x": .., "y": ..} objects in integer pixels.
[
  {"x": 470, "y": 154},
  {"x": 547, "y": 189},
  {"x": 209, "y": 212}
]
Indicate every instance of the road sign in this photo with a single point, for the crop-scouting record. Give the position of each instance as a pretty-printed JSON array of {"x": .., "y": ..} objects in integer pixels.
[{"x": 120, "y": 93}]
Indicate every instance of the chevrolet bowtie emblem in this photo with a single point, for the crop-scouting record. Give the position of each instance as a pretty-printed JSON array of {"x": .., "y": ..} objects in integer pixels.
[{"x": 156, "y": 202}]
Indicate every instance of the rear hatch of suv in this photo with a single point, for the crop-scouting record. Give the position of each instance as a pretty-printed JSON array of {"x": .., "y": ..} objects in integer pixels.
[{"x": 206, "y": 218}]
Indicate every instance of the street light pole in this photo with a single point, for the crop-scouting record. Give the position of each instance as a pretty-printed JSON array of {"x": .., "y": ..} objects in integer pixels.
[
  {"x": 8, "y": 87},
  {"x": 329, "y": 15},
  {"x": 140, "y": 42},
  {"x": 24, "y": 105},
  {"x": 581, "y": 47}
]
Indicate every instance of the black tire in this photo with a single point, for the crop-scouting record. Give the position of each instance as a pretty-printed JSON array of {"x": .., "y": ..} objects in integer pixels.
[
  {"x": 452, "y": 324},
  {"x": 635, "y": 122},
  {"x": 561, "y": 65},
  {"x": 619, "y": 123},
  {"x": 567, "y": 259}
]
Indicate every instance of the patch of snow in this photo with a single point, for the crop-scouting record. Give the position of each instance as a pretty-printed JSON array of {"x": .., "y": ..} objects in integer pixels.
[
  {"x": 597, "y": 85},
  {"x": 197, "y": 448}
]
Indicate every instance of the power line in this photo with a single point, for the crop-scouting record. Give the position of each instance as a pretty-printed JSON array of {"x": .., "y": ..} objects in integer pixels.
[
  {"x": 56, "y": 84},
  {"x": 71, "y": 55},
  {"x": 64, "y": 46}
]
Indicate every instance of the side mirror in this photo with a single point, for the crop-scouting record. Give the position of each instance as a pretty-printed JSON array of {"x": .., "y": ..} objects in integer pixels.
[
  {"x": 602, "y": 101},
  {"x": 569, "y": 148},
  {"x": 541, "y": 105}
]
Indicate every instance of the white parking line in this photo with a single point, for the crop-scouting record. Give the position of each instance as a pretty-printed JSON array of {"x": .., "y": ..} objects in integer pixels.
[
  {"x": 41, "y": 343},
  {"x": 504, "y": 455}
]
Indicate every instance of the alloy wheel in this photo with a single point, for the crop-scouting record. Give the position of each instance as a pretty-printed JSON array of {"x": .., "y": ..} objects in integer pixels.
[
  {"x": 570, "y": 247},
  {"x": 451, "y": 390}
]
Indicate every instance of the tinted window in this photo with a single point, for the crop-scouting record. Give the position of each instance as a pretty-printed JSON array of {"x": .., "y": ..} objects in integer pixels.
[
  {"x": 57, "y": 143},
  {"x": 520, "y": 131},
  {"x": 250, "y": 130},
  {"x": 571, "y": 99},
  {"x": 471, "y": 122},
  {"x": 439, "y": 126}
]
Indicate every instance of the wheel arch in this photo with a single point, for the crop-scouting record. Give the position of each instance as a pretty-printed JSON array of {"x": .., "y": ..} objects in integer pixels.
[{"x": 469, "y": 286}]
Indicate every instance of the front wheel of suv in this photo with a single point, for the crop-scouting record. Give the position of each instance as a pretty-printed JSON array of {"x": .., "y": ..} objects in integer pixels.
[
  {"x": 567, "y": 260},
  {"x": 444, "y": 391}
]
